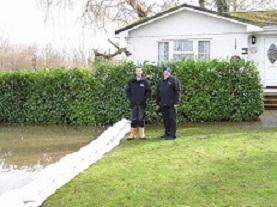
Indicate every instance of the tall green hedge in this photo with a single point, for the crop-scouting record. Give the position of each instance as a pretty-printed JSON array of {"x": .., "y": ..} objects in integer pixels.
[{"x": 212, "y": 91}]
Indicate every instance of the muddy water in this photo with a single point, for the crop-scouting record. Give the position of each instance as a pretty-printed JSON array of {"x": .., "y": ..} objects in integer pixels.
[{"x": 26, "y": 149}]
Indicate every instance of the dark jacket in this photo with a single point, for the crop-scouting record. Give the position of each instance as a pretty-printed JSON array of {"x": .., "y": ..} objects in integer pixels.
[
  {"x": 168, "y": 92},
  {"x": 138, "y": 91}
]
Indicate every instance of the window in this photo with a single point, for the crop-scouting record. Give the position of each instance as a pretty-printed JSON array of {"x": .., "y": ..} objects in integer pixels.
[
  {"x": 178, "y": 57},
  {"x": 204, "y": 50},
  {"x": 163, "y": 51},
  {"x": 186, "y": 48},
  {"x": 183, "y": 48},
  {"x": 183, "y": 45}
]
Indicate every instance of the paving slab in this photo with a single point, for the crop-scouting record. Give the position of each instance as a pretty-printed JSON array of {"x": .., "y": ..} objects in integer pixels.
[{"x": 269, "y": 118}]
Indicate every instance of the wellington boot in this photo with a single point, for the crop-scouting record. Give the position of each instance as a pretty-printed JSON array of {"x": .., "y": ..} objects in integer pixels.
[
  {"x": 141, "y": 133},
  {"x": 132, "y": 134}
]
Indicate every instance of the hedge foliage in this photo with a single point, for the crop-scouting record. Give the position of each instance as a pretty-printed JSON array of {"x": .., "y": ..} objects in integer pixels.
[{"x": 212, "y": 91}]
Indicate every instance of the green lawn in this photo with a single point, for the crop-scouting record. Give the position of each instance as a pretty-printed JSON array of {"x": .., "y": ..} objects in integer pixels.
[{"x": 203, "y": 167}]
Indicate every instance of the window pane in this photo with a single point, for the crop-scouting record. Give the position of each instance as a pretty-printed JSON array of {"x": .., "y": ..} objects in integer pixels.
[
  {"x": 187, "y": 46},
  {"x": 163, "y": 53},
  {"x": 204, "y": 50},
  {"x": 201, "y": 47},
  {"x": 183, "y": 45},
  {"x": 178, "y": 46},
  {"x": 178, "y": 57}
]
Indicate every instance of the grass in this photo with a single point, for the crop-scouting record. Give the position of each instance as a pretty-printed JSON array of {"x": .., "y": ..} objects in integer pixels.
[{"x": 203, "y": 167}]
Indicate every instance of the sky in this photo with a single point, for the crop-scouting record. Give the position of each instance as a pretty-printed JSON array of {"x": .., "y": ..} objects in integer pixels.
[{"x": 23, "y": 23}]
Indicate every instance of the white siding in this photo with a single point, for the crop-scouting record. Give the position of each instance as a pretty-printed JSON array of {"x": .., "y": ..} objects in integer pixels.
[
  {"x": 256, "y": 53},
  {"x": 224, "y": 35}
]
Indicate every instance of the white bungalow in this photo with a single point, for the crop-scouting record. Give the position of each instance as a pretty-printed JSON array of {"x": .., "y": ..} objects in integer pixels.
[{"x": 195, "y": 32}]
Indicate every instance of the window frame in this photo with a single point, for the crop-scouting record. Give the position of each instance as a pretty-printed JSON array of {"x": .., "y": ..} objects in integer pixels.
[
  {"x": 194, "y": 52},
  {"x": 175, "y": 52},
  {"x": 167, "y": 58},
  {"x": 198, "y": 54}
]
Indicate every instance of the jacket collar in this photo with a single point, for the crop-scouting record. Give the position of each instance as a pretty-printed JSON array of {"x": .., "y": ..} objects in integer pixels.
[
  {"x": 135, "y": 77},
  {"x": 169, "y": 77}
]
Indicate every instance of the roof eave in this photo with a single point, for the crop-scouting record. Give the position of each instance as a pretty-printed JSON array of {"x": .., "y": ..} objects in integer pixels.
[
  {"x": 270, "y": 27},
  {"x": 251, "y": 26},
  {"x": 254, "y": 28},
  {"x": 147, "y": 21}
]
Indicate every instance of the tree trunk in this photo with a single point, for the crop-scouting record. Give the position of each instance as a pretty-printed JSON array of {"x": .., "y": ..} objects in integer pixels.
[
  {"x": 202, "y": 3},
  {"x": 235, "y": 5}
]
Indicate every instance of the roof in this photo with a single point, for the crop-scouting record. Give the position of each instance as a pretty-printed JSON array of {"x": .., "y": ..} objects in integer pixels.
[{"x": 258, "y": 18}]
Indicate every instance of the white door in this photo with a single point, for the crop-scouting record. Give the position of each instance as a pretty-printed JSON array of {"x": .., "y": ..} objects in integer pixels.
[{"x": 270, "y": 61}]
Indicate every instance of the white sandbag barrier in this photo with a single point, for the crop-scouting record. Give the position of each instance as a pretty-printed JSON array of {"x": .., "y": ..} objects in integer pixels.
[{"x": 54, "y": 176}]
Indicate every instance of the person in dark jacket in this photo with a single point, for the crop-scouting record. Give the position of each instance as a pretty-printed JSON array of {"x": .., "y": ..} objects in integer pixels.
[
  {"x": 138, "y": 90},
  {"x": 167, "y": 99}
]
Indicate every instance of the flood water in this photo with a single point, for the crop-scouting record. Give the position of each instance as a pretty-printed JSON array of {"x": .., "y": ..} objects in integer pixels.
[{"x": 27, "y": 149}]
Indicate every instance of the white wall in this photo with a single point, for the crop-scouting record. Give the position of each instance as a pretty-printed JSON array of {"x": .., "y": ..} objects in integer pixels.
[
  {"x": 143, "y": 41},
  {"x": 256, "y": 53}
]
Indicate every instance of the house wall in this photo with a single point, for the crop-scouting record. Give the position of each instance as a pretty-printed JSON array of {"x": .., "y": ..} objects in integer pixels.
[
  {"x": 256, "y": 53},
  {"x": 227, "y": 38}
]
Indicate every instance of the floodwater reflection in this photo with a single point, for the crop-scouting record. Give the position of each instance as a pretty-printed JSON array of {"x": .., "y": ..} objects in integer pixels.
[{"x": 26, "y": 149}]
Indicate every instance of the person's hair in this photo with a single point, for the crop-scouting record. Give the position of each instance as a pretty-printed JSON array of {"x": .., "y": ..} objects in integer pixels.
[{"x": 138, "y": 67}]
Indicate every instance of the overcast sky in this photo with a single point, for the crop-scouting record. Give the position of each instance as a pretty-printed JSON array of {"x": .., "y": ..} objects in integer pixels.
[{"x": 23, "y": 23}]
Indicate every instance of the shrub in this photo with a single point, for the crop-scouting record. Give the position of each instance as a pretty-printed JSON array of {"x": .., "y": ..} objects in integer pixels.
[{"x": 212, "y": 91}]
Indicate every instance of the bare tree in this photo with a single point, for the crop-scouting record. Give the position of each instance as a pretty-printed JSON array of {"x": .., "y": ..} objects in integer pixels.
[
  {"x": 202, "y": 3},
  {"x": 31, "y": 55},
  {"x": 110, "y": 55},
  {"x": 52, "y": 57},
  {"x": 4, "y": 45},
  {"x": 252, "y": 5},
  {"x": 241, "y": 5},
  {"x": 19, "y": 57},
  {"x": 101, "y": 13}
]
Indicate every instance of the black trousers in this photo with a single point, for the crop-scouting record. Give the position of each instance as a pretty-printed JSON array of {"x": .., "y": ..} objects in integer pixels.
[
  {"x": 138, "y": 116},
  {"x": 170, "y": 120}
]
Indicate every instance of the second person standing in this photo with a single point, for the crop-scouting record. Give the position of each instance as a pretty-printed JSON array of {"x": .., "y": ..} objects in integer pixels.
[{"x": 167, "y": 99}]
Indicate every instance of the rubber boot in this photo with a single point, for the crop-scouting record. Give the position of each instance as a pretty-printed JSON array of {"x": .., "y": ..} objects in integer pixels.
[
  {"x": 141, "y": 133},
  {"x": 132, "y": 134}
]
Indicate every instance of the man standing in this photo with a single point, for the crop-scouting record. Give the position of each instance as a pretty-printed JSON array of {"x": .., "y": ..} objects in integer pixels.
[
  {"x": 138, "y": 90},
  {"x": 167, "y": 99}
]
